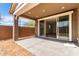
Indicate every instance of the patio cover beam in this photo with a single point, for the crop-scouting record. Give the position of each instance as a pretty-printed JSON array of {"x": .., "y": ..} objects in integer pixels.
[{"x": 24, "y": 8}]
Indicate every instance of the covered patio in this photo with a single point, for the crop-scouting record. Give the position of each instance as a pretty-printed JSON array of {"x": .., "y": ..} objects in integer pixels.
[
  {"x": 42, "y": 47},
  {"x": 43, "y": 27}
]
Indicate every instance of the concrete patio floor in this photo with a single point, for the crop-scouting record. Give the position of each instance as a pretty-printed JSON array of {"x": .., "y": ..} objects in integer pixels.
[{"x": 42, "y": 47}]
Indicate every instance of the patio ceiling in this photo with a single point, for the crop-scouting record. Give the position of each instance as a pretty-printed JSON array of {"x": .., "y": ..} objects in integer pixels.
[{"x": 47, "y": 9}]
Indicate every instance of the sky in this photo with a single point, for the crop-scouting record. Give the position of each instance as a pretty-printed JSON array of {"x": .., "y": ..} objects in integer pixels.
[
  {"x": 7, "y": 18},
  {"x": 4, "y": 9}
]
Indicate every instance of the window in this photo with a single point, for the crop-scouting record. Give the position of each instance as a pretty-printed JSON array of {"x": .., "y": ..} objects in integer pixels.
[{"x": 25, "y": 22}]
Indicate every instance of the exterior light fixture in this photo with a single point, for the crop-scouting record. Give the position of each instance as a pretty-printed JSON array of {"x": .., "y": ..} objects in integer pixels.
[
  {"x": 62, "y": 7},
  {"x": 36, "y": 16},
  {"x": 29, "y": 12},
  {"x": 44, "y": 10}
]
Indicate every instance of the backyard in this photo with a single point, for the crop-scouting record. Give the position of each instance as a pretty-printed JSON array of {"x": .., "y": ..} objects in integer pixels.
[{"x": 24, "y": 27}]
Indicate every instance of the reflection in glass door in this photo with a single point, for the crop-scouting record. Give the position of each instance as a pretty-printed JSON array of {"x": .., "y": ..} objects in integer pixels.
[
  {"x": 51, "y": 28},
  {"x": 42, "y": 28},
  {"x": 63, "y": 27}
]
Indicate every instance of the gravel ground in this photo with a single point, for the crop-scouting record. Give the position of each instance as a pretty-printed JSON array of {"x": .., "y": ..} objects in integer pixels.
[{"x": 10, "y": 48}]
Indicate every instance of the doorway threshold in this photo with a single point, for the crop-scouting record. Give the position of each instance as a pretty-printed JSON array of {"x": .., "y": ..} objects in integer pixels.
[{"x": 55, "y": 39}]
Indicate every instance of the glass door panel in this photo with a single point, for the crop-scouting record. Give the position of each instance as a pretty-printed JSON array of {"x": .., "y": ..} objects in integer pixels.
[
  {"x": 41, "y": 28},
  {"x": 63, "y": 27},
  {"x": 51, "y": 28}
]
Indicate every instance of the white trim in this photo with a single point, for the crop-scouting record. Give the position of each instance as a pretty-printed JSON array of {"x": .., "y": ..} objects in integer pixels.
[
  {"x": 19, "y": 8},
  {"x": 38, "y": 28},
  {"x": 70, "y": 27},
  {"x": 57, "y": 29},
  {"x": 19, "y": 4},
  {"x": 13, "y": 32}
]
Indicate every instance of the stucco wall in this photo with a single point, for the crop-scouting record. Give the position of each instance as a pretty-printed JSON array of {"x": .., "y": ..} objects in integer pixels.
[
  {"x": 74, "y": 26},
  {"x": 78, "y": 25},
  {"x": 6, "y": 32}
]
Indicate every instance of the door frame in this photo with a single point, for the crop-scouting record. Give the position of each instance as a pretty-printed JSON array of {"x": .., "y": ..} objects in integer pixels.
[
  {"x": 57, "y": 16},
  {"x": 58, "y": 35}
]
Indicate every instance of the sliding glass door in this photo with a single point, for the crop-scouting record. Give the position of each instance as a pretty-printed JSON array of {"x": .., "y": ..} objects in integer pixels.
[
  {"x": 63, "y": 27},
  {"x": 59, "y": 27}
]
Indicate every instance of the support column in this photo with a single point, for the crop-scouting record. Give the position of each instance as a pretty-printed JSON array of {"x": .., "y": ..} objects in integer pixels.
[
  {"x": 36, "y": 28},
  {"x": 15, "y": 28}
]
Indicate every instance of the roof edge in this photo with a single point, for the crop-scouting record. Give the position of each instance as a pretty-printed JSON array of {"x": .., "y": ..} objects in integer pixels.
[{"x": 12, "y": 8}]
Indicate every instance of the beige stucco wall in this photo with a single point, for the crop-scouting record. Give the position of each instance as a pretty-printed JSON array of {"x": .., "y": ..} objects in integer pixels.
[
  {"x": 78, "y": 24},
  {"x": 74, "y": 26}
]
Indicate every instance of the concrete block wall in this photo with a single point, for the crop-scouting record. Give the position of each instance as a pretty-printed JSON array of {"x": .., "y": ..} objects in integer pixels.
[{"x": 6, "y": 32}]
